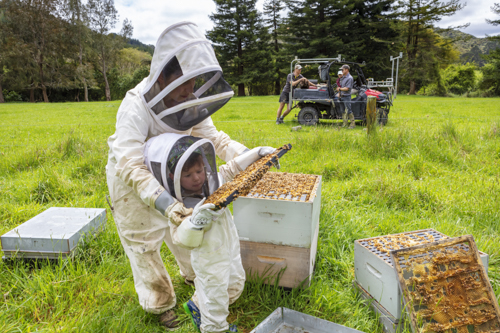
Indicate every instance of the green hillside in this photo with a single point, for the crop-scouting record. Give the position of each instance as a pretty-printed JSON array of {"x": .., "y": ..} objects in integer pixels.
[{"x": 471, "y": 48}]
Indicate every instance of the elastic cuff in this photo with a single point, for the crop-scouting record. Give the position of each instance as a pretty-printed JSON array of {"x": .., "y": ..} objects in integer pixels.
[{"x": 163, "y": 200}]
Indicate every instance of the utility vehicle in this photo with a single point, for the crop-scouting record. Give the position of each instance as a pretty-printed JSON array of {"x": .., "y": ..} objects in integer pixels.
[{"x": 323, "y": 102}]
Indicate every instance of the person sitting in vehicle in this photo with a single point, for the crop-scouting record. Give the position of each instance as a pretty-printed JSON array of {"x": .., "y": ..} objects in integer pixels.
[
  {"x": 292, "y": 80},
  {"x": 339, "y": 73}
]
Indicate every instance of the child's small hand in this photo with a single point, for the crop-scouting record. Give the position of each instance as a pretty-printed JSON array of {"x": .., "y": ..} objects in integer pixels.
[{"x": 204, "y": 214}]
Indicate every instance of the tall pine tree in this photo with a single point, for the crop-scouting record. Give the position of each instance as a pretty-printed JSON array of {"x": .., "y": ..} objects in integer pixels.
[
  {"x": 241, "y": 43},
  {"x": 372, "y": 36},
  {"x": 419, "y": 17},
  {"x": 275, "y": 23},
  {"x": 315, "y": 28}
]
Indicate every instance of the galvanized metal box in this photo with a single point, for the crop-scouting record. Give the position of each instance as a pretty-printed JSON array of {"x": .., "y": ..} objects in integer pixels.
[
  {"x": 284, "y": 320},
  {"x": 54, "y": 232},
  {"x": 276, "y": 233},
  {"x": 374, "y": 270}
]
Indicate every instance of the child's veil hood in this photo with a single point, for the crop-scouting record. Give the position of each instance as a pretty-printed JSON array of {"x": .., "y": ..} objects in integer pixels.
[
  {"x": 183, "y": 56},
  {"x": 169, "y": 150}
]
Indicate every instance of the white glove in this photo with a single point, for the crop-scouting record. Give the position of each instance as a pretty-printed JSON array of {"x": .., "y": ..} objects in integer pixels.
[
  {"x": 245, "y": 159},
  {"x": 204, "y": 215},
  {"x": 191, "y": 230}
]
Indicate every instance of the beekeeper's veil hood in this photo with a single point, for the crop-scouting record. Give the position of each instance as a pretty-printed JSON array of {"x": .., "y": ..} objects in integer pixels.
[
  {"x": 185, "y": 84},
  {"x": 167, "y": 154}
]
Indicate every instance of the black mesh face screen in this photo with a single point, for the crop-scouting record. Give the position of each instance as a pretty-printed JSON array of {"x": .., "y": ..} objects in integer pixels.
[
  {"x": 202, "y": 96},
  {"x": 187, "y": 118}
]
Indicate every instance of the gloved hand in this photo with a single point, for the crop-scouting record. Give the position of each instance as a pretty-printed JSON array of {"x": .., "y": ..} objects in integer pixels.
[
  {"x": 247, "y": 158},
  {"x": 190, "y": 231},
  {"x": 177, "y": 212},
  {"x": 204, "y": 215}
]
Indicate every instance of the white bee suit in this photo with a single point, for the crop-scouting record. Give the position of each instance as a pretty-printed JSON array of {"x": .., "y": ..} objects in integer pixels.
[
  {"x": 220, "y": 277},
  {"x": 183, "y": 54}
]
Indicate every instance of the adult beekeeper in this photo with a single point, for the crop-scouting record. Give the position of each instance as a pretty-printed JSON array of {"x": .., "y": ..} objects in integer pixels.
[
  {"x": 186, "y": 167},
  {"x": 185, "y": 86}
]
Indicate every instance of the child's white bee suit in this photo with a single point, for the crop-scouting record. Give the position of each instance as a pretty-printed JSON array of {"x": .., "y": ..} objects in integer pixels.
[{"x": 215, "y": 254}]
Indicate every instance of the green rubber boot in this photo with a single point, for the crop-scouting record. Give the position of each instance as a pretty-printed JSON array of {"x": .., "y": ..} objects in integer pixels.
[
  {"x": 353, "y": 123},
  {"x": 344, "y": 120}
]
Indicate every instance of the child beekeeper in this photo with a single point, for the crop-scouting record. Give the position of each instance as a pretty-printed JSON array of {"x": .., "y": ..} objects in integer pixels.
[{"x": 186, "y": 167}]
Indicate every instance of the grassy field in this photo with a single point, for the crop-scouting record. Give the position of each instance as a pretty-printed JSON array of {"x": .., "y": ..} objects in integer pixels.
[{"x": 435, "y": 165}]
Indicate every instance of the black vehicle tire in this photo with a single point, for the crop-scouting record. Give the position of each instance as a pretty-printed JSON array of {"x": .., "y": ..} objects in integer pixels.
[
  {"x": 308, "y": 116},
  {"x": 382, "y": 116}
]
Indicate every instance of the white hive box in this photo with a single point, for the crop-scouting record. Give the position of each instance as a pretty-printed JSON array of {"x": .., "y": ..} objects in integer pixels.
[
  {"x": 374, "y": 270},
  {"x": 54, "y": 232},
  {"x": 279, "y": 231}
]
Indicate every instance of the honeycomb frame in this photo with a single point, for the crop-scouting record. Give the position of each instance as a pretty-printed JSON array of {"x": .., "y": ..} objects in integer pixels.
[
  {"x": 245, "y": 180},
  {"x": 445, "y": 287}
]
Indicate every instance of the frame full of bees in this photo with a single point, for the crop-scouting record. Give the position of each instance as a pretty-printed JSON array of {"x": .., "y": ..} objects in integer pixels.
[
  {"x": 374, "y": 270},
  {"x": 245, "y": 180},
  {"x": 445, "y": 287}
]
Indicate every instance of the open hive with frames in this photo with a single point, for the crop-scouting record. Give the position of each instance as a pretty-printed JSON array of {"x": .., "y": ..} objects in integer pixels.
[
  {"x": 284, "y": 186},
  {"x": 446, "y": 289}
]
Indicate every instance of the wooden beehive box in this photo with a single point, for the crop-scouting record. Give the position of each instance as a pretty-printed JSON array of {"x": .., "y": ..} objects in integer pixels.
[{"x": 278, "y": 224}]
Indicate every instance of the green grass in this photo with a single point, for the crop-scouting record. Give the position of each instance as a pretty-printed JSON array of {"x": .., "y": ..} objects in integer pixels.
[{"x": 436, "y": 165}]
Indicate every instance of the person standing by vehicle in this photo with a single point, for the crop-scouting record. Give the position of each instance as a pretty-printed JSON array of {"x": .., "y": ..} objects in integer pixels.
[
  {"x": 345, "y": 90},
  {"x": 292, "y": 80}
]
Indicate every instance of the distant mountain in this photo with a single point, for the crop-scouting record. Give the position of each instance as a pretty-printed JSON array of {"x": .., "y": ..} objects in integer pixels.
[
  {"x": 470, "y": 47},
  {"x": 135, "y": 43}
]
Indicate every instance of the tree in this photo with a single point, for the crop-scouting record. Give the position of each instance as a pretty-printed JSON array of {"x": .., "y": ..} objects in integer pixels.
[
  {"x": 460, "y": 78},
  {"x": 419, "y": 17},
  {"x": 275, "y": 23},
  {"x": 102, "y": 18},
  {"x": 3, "y": 46},
  {"x": 435, "y": 54},
  {"x": 372, "y": 36},
  {"x": 491, "y": 71},
  {"x": 241, "y": 42},
  {"x": 129, "y": 60},
  {"x": 40, "y": 34},
  {"x": 315, "y": 28},
  {"x": 77, "y": 16}
]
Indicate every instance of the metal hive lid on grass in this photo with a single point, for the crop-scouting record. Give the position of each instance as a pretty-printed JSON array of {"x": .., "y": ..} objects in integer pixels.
[
  {"x": 383, "y": 245},
  {"x": 54, "y": 232},
  {"x": 445, "y": 287}
]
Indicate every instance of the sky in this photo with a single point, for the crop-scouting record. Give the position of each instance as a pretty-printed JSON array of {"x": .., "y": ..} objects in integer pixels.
[{"x": 150, "y": 18}]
